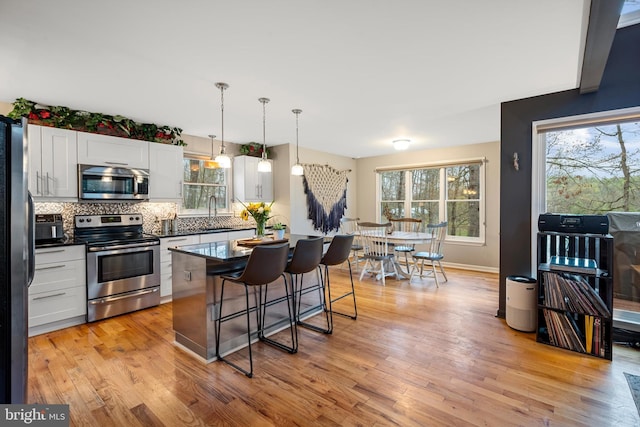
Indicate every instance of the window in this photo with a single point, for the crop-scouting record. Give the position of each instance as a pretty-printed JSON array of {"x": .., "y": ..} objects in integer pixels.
[
  {"x": 594, "y": 169},
  {"x": 587, "y": 164},
  {"x": 200, "y": 184},
  {"x": 443, "y": 192}
]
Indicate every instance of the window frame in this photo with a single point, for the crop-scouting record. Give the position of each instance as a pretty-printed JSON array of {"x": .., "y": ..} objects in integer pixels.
[
  {"x": 205, "y": 211},
  {"x": 443, "y": 196}
]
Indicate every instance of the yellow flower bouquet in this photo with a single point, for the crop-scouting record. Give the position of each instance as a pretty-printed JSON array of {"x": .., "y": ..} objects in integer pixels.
[{"x": 260, "y": 212}]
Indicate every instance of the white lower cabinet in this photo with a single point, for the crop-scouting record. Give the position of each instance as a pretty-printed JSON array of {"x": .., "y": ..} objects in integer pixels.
[
  {"x": 165, "y": 261},
  {"x": 165, "y": 253},
  {"x": 58, "y": 293}
]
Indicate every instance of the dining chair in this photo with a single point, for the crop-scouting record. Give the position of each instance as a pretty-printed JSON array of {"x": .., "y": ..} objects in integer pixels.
[
  {"x": 349, "y": 226},
  {"x": 434, "y": 255},
  {"x": 265, "y": 266},
  {"x": 376, "y": 250},
  {"x": 409, "y": 225}
]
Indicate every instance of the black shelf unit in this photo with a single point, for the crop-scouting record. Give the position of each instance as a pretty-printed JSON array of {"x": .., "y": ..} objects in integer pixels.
[{"x": 575, "y": 308}]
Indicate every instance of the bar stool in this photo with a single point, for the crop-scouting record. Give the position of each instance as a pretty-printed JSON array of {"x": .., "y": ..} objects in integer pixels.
[
  {"x": 338, "y": 253},
  {"x": 265, "y": 265},
  {"x": 306, "y": 258}
]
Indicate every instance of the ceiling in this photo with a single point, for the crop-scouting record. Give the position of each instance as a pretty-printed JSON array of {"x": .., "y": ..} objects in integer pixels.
[{"x": 364, "y": 72}]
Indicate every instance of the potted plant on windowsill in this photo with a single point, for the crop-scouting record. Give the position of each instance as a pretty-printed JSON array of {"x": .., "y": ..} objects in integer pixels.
[{"x": 278, "y": 231}]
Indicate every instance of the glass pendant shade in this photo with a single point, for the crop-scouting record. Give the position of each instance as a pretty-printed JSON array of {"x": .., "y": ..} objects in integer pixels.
[
  {"x": 223, "y": 161},
  {"x": 211, "y": 163},
  {"x": 297, "y": 170},
  {"x": 264, "y": 165}
]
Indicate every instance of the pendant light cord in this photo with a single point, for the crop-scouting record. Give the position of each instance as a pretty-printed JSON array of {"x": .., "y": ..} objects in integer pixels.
[
  {"x": 264, "y": 127},
  {"x": 297, "y": 113}
]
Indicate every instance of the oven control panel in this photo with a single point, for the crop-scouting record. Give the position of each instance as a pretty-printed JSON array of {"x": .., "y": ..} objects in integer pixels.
[{"x": 112, "y": 220}]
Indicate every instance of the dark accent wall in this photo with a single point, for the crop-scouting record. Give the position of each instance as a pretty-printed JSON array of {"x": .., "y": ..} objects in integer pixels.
[{"x": 619, "y": 88}]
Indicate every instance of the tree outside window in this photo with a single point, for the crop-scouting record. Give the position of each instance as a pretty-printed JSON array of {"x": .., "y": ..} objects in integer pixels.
[
  {"x": 200, "y": 183},
  {"x": 463, "y": 200},
  {"x": 593, "y": 170},
  {"x": 449, "y": 193}
]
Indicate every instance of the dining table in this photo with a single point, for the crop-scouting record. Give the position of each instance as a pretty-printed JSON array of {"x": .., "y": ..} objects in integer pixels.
[{"x": 406, "y": 238}]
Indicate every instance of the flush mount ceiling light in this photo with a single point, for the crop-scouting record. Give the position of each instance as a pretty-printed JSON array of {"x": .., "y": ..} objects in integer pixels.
[
  {"x": 297, "y": 169},
  {"x": 222, "y": 159},
  {"x": 208, "y": 164},
  {"x": 401, "y": 144},
  {"x": 263, "y": 164}
]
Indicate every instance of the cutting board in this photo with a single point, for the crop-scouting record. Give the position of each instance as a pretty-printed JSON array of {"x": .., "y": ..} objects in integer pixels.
[{"x": 256, "y": 242}]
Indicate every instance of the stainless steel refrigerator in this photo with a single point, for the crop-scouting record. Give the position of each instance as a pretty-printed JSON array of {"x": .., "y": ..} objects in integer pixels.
[{"x": 17, "y": 258}]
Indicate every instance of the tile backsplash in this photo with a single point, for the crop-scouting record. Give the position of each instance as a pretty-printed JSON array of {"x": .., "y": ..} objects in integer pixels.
[{"x": 152, "y": 214}]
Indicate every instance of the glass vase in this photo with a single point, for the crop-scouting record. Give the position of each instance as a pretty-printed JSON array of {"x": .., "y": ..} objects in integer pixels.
[{"x": 260, "y": 229}]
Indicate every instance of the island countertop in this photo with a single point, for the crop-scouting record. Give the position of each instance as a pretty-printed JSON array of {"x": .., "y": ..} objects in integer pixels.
[{"x": 231, "y": 251}]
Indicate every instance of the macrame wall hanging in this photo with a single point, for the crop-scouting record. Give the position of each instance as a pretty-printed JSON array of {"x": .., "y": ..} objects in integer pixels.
[{"x": 326, "y": 190}]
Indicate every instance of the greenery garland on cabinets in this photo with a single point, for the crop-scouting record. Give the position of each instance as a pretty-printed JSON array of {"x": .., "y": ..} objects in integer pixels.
[{"x": 66, "y": 118}]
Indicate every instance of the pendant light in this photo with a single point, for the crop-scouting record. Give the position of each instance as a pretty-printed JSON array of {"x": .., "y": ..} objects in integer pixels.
[
  {"x": 297, "y": 169},
  {"x": 263, "y": 164},
  {"x": 222, "y": 159},
  {"x": 210, "y": 164}
]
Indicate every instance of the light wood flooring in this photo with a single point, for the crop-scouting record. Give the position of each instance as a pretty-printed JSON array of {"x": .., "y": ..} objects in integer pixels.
[{"x": 416, "y": 356}]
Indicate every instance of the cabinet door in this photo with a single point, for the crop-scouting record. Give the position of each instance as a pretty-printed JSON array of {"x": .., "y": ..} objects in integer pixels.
[
  {"x": 34, "y": 147},
  {"x": 265, "y": 185},
  {"x": 104, "y": 150},
  {"x": 166, "y": 279},
  {"x": 58, "y": 290},
  {"x": 53, "y": 165},
  {"x": 250, "y": 185},
  {"x": 165, "y": 172}
]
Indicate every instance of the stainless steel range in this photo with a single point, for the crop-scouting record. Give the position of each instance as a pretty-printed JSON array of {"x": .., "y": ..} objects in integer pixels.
[{"x": 123, "y": 264}]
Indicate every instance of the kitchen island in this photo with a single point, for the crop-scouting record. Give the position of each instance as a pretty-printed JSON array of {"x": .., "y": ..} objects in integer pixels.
[{"x": 196, "y": 271}]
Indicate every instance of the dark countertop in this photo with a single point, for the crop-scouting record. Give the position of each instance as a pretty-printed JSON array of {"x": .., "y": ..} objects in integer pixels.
[
  {"x": 202, "y": 231},
  {"x": 230, "y": 251},
  {"x": 65, "y": 242}
]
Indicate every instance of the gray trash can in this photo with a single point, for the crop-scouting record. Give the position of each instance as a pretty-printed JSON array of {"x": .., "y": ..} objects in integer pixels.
[{"x": 522, "y": 310}]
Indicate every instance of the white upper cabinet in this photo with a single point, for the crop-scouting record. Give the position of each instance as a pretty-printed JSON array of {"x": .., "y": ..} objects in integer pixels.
[
  {"x": 249, "y": 185},
  {"x": 53, "y": 164},
  {"x": 165, "y": 172},
  {"x": 104, "y": 150}
]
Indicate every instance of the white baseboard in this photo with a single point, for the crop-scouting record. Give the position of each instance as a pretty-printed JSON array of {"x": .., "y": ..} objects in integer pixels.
[{"x": 471, "y": 267}]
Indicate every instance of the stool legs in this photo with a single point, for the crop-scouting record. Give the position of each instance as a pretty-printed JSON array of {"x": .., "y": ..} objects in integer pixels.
[
  {"x": 352, "y": 293},
  {"x": 260, "y": 308},
  {"x": 323, "y": 302}
]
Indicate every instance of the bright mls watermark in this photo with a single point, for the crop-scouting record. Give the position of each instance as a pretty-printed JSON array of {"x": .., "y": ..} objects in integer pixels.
[{"x": 34, "y": 415}]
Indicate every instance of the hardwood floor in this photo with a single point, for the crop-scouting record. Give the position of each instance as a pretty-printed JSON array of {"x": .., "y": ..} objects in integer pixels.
[{"x": 416, "y": 356}]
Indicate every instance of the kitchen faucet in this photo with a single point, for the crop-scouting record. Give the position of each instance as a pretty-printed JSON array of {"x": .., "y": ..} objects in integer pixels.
[{"x": 215, "y": 208}]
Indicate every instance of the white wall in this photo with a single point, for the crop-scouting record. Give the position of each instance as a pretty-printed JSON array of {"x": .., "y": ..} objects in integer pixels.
[
  {"x": 484, "y": 257},
  {"x": 290, "y": 201}
]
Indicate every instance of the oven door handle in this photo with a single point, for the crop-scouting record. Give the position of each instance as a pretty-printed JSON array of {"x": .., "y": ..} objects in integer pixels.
[
  {"x": 129, "y": 295},
  {"x": 124, "y": 246}
]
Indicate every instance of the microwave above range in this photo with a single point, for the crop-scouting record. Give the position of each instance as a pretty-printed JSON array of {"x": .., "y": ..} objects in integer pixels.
[{"x": 112, "y": 183}]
